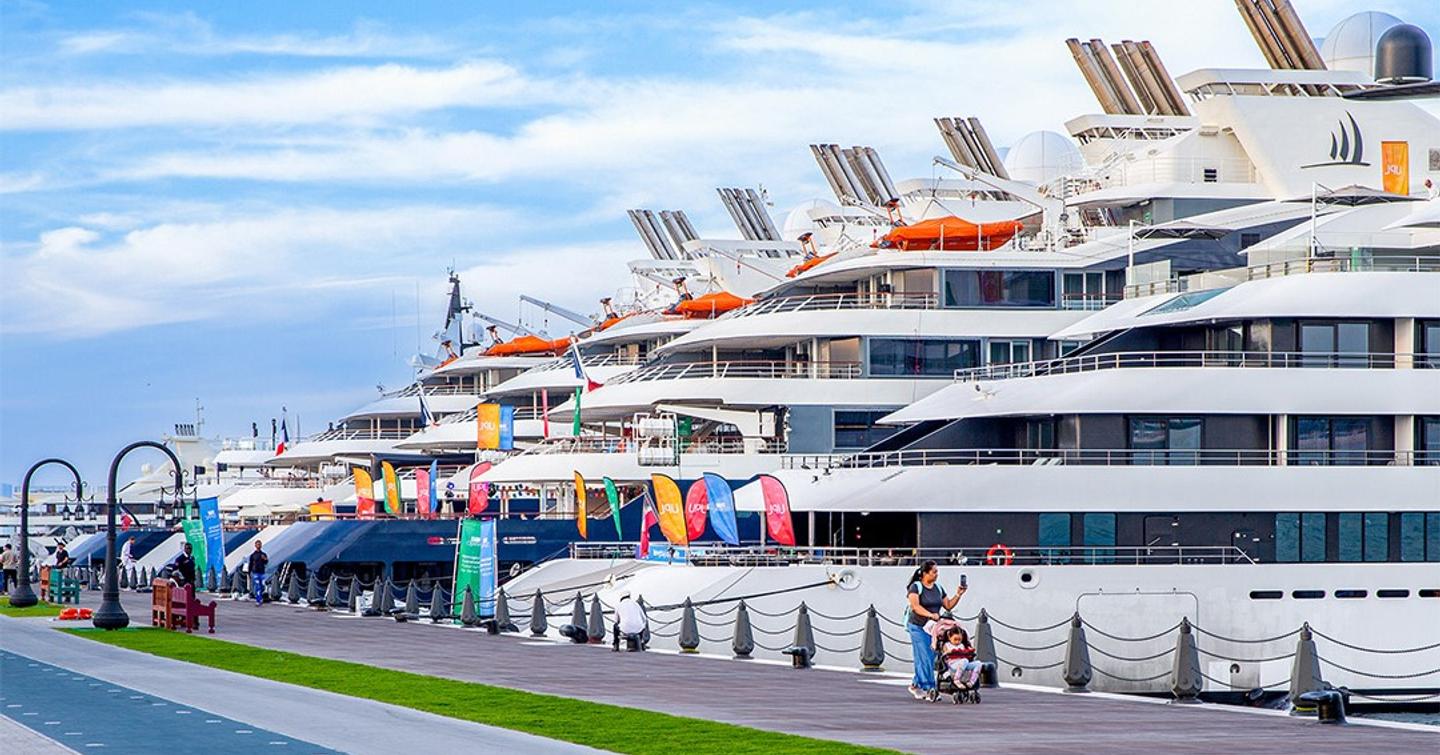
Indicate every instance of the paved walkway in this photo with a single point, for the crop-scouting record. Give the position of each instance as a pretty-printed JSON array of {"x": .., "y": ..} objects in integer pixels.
[
  {"x": 852, "y": 707},
  {"x": 148, "y": 689}
]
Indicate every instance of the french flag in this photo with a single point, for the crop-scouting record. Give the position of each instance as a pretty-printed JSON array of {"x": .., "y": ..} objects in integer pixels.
[
  {"x": 426, "y": 418},
  {"x": 647, "y": 520},
  {"x": 590, "y": 385},
  {"x": 284, "y": 437}
]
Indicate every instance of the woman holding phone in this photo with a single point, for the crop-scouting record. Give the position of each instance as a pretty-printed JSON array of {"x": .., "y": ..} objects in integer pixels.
[{"x": 927, "y": 599}]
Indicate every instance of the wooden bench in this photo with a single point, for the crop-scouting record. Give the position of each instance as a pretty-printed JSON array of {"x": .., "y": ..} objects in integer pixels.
[
  {"x": 60, "y": 588},
  {"x": 186, "y": 611},
  {"x": 160, "y": 615}
]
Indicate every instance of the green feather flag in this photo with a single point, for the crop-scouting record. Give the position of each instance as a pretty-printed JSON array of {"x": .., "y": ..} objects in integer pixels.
[
  {"x": 614, "y": 496},
  {"x": 575, "y": 423}
]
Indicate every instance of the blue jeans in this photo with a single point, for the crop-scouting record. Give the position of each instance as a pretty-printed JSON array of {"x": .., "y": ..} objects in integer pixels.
[
  {"x": 257, "y": 586},
  {"x": 923, "y": 652}
]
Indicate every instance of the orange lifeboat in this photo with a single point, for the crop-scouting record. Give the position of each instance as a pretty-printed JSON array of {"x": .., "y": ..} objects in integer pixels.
[
  {"x": 949, "y": 233},
  {"x": 710, "y": 305},
  {"x": 525, "y": 345},
  {"x": 807, "y": 264}
]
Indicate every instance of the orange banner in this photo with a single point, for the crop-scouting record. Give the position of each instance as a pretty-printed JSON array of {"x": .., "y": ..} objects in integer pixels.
[
  {"x": 322, "y": 509},
  {"x": 364, "y": 494},
  {"x": 582, "y": 506},
  {"x": 670, "y": 507},
  {"x": 1395, "y": 167},
  {"x": 487, "y": 423}
]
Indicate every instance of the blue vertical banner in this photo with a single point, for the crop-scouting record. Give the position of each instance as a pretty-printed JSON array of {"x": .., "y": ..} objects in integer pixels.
[
  {"x": 722, "y": 508},
  {"x": 507, "y": 427},
  {"x": 214, "y": 535},
  {"x": 489, "y": 567}
]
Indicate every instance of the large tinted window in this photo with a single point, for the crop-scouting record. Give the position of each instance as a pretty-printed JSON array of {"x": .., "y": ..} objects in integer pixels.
[
  {"x": 1352, "y": 537},
  {"x": 1287, "y": 537},
  {"x": 933, "y": 357},
  {"x": 1054, "y": 534},
  {"x": 1344, "y": 344},
  {"x": 1412, "y": 536},
  {"x": 1377, "y": 536},
  {"x": 999, "y": 288},
  {"x": 1099, "y": 532},
  {"x": 1312, "y": 537},
  {"x": 1331, "y": 440},
  {"x": 1165, "y": 440},
  {"x": 856, "y": 430},
  {"x": 1427, "y": 441}
]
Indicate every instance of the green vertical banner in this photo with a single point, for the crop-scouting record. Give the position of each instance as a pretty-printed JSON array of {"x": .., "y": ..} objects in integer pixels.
[
  {"x": 476, "y": 566},
  {"x": 575, "y": 423},
  {"x": 195, "y": 536}
]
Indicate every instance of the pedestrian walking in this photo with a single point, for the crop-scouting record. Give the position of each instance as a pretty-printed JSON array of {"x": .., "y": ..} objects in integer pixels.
[
  {"x": 258, "y": 562},
  {"x": 185, "y": 567},
  {"x": 9, "y": 568}
]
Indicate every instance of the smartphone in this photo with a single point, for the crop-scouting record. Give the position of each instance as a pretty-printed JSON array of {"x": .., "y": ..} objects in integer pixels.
[{"x": 962, "y": 580}]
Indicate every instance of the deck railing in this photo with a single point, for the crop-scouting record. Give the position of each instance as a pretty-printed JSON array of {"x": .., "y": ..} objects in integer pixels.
[
  {"x": 388, "y": 433},
  {"x": 1259, "y": 359},
  {"x": 842, "y": 301},
  {"x": 1299, "y": 266},
  {"x": 741, "y": 369},
  {"x": 652, "y": 449},
  {"x": 718, "y": 554},
  {"x": 1108, "y": 457},
  {"x": 597, "y": 360}
]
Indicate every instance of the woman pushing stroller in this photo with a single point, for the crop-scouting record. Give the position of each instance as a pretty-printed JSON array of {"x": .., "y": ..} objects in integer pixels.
[{"x": 926, "y": 600}]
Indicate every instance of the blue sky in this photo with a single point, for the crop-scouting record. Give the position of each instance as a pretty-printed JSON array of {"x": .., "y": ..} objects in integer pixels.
[{"x": 249, "y": 204}]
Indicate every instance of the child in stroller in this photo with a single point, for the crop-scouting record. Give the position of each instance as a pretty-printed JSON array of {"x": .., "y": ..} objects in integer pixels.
[{"x": 957, "y": 673}]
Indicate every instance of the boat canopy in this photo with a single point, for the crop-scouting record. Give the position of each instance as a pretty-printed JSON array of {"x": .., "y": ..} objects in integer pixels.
[{"x": 949, "y": 233}]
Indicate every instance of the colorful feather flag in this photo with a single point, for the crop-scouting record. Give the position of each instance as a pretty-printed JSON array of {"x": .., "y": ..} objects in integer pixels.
[
  {"x": 670, "y": 509},
  {"x": 722, "y": 508},
  {"x": 581, "y": 507},
  {"x": 613, "y": 495}
]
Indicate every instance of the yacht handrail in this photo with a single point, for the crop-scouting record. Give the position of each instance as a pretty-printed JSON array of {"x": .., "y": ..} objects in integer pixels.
[
  {"x": 445, "y": 389},
  {"x": 840, "y": 301},
  {"x": 722, "y": 554},
  {"x": 1389, "y": 263},
  {"x": 651, "y": 447},
  {"x": 740, "y": 369},
  {"x": 1105, "y": 457},
  {"x": 1260, "y": 359},
  {"x": 594, "y": 360},
  {"x": 387, "y": 433}
]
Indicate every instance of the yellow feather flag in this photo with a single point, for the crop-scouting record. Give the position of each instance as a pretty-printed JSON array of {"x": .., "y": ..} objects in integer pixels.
[
  {"x": 364, "y": 494},
  {"x": 582, "y": 506},
  {"x": 392, "y": 488},
  {"x": 670, "y": 507}
]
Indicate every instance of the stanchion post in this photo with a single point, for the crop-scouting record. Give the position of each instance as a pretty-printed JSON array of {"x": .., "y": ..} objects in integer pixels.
[
  {"x": 1185, "y": 680},
  {"x": 689, "y": 629},
  {"x": 1077, "y": 671},
  {"x": 743, "y": 641}
]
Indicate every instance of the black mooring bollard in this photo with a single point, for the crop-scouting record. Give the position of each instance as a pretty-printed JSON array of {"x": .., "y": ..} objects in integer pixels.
[
  {"x": 1305, "y": 669},
  {"x": 332, "y": 592},
  {"x": 312, "y": 590},
  {"x": 1329, "y": 705},
  {"x": 985, "y": 652},
  {"x": 1186, "y": 683},
  {"x": 577, "y": 612},
  {"x": 595, "y": 627},
  {"x": 802, "y": 648},
  {"x": 124, "y": 579},
  {"x": 689, "y": 629},
  {"x": 352, "y": 601},
  {"x": 743, "y": 642},
  {"x": 387, "y": 597},
  {"x": 538, "y": 623},
  {"x": 439, "y": 606},
  {"x": 467, "y": 609},
  {"x": 292, "y": 590},
  {"x": 1077, "y": 671},
  {"x": 872, "y": 647},
  {"x": 503, "y": 623},
  {"x": 210, "y": 578},
  {"x": 412, "y": 599}
]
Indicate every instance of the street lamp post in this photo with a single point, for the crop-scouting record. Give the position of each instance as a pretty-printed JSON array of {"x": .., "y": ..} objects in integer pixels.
[
  {"x": 110, "y": 614},
  {"x": 21, "y": 596}
]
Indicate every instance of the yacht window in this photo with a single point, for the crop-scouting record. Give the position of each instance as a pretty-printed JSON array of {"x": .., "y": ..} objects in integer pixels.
[
  {"x": 1009, "y": 352},
  {"x": 1165, "y": 440},
  {"x": 1054, "y": 534},
  {"x": 1427, "y": 441},
  {"x": 1083, "y": 290},
  {"x": 1040, "y": 433},
  {"x": 857, "y": 430},
  {"x": 1412, "y": 536},
  {"x": 1377, "y": 536},
  {"x": 1351, "y": 537},
  {"x": 905, "y": 356},
  {"x": 1432, "y": 537},
  {"x": 1429, "y": 344},
  {"x": 1099, "y": 533},
  {"x": 1248, "y": 240},
  {"x": 1299, "y": 537},
  {"x": 1324, "y": 441},
  {"x": 1344, "y": 344},
  {"x": 999, "y": 288}
]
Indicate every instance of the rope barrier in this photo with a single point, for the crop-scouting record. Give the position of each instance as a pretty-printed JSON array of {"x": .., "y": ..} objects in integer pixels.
[
  {"x": 725, "y": 612},
  {"x": 676, "y": 633},
  {"x": 1384, "y": 651},
  {"x": 1284, "y": 657},
  {"x": 1026, "y": 648},
  {"x": 1127, "y": 659},
  {"x": 1223, "y": 638},
  {"x": 827, "y": 617},
  {"x": 1063, "y": 622},
  {"x": 774, "y": 649},
  {"x": 1387, "y": 699},
  {"x": 1133, "y": 680},
  {"x": 1119, "y": 638},
  {"x": 1378, "y": 676},
  {"x": 829, "y": 633},
  {"x": 855, "y": 649},
  {"x": 1056, "y": 664},
  {"x": 737, "y": 598},
  {"x": 769, "y": 615}
]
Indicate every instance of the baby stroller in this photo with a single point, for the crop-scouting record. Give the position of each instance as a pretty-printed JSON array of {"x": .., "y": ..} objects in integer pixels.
[{"x": 959, "y": 690}]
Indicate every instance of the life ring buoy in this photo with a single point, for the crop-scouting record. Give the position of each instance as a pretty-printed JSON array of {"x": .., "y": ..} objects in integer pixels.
[{"x": 999, "y": 555}]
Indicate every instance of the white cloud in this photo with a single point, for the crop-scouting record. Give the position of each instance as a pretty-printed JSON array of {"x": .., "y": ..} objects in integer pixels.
[
  {"x": 188, "y": 34},
  {"x": 75, "y": 281},
  {"x": 348, "y": 94}
]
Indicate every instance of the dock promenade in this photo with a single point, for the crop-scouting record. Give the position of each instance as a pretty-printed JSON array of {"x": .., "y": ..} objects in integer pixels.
[{"x": 867, "y": 709}]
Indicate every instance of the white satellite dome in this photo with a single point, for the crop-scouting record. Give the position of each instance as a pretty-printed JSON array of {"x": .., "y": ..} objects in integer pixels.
[
  {"x": 1350, "y": 46},
  {"x": 800, "y": 221},
  {"x": 1042, "y": 156}
]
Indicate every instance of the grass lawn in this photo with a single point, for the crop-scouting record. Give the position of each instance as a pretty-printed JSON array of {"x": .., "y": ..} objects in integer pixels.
[
  {"x": 608, "y": 727},
  {"x": 39, "y": 609}
]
